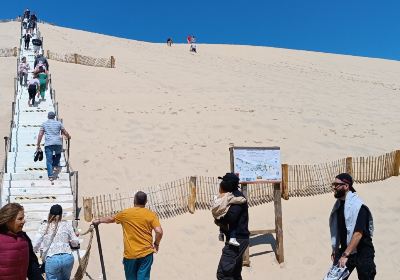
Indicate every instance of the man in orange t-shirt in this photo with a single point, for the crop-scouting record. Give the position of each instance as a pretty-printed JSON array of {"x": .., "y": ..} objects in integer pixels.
[{"x": 138, "y": 224}]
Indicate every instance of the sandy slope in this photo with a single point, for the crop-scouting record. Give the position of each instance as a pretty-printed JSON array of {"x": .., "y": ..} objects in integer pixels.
[{"x": 164, "y": 113}]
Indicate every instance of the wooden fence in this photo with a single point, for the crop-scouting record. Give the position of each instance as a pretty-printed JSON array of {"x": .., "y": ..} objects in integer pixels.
[
  {"x": 82, "y": 59},
  {"x": 197, "y": 192}
]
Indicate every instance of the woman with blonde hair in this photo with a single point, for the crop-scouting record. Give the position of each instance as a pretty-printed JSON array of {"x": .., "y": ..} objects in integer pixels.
[
  {"x": 17, "y": 260},
  {"x": 55, "y": 238}
]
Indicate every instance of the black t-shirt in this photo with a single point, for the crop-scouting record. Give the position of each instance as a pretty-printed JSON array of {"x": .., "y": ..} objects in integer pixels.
[{"x": 362, "y": 225}]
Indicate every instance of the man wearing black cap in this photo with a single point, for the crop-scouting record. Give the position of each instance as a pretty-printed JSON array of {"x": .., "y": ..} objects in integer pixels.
[
  {"x": 351, "y": 227},
  {"x": 230, "y": 264},
  {"x": 53, "y": 131}
]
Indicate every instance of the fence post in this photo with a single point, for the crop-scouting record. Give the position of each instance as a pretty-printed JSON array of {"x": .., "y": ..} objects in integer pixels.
[
  {"x": 278, "y": 222},
  {"x": 349, "y": 165},
  {"x": 192, "y": 196},
  {"x": 87, "y": 209},
  {"x": 112, "y": 62},
  {"x": 48, "y": 54},
  {"x": 397, "y": 163},
  {"x": 76, "y": 58},
  {"x": 15, "y": 51},
  {"x": 285, "y": 180}
]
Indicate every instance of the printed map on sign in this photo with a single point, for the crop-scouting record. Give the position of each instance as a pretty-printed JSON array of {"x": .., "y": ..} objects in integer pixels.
[{"x": 255, "y": 165}]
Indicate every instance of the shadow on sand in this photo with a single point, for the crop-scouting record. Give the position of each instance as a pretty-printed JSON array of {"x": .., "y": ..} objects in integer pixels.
[{"x": 263, "y": 239}]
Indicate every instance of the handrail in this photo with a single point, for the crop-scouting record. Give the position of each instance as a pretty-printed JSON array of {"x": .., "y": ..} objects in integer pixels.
[{"x": 5, "y": 153}]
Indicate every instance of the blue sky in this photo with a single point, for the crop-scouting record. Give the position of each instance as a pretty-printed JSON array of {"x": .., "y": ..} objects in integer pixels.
[{"x": 357, "y": 27}]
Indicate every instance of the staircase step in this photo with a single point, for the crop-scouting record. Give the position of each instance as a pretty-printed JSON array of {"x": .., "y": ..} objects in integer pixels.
[
  {"x": 43, "y": 183},
  {"x": 41, "y": 216},
  {"x": 39, "y": 191},
  {"x": 41, "y": 198},
  {"x": 32, "y": 176},
  {"x": 43, "y": 207}
]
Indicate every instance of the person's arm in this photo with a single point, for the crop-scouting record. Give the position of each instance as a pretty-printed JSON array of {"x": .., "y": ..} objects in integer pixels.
[
  {"x": 159, "y": 234},
  {"x": 65, "y": 132},
  {"x": 360, "y": 229},
  {"x": 39, "y": 139},
  {"x": 104, "y": 220},
  {"x": 232, "y": 215},
  {"x": 355, "y": 240},
  {"x": 33, "y": 272},
  {"x": 38, "y": 238}
]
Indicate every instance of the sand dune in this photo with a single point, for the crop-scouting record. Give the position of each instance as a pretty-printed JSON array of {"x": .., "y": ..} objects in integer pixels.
[{"x": 164, "y": 113}]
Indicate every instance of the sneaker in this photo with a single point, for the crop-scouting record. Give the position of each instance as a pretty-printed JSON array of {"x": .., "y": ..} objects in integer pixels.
[
  {"x": 337, "y": 273},
  {"x": 221, "y": 237},
  {"x": 233, "y": 241},
  {"x": 51, "y": 179},
  {"x": 57, "y": 169}
]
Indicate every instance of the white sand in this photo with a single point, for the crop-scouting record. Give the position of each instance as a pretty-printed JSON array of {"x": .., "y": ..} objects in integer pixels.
[{"x": 164, "y": 114}]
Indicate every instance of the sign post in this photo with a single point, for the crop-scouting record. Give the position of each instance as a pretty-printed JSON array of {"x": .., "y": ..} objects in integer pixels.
[{"x": 256, "y": 165}]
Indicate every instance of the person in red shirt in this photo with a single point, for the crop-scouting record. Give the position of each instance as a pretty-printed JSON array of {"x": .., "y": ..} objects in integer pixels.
[{"x": 17, "y": 259}]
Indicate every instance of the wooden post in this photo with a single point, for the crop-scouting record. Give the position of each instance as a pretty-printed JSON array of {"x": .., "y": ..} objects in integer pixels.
[
  {"x": 192, "y": 197},
  {"x": 48, "y": 54},
  {"x": 278, "y": 222},
  {"x": 15, "y": 51},
  {"x": 349, "y": 165},
  {"x": 87, "y": 209},
  {"x": 285, "y": 180},
  {"x": 76, "y": 58},
  {"x": 112, "y": 62},
  {"x": 246, "y": 255},
  {"x": 396, "y": 163}
]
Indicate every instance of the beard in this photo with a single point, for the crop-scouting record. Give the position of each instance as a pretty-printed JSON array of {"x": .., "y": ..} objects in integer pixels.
[{"x": 339, "y": 193}]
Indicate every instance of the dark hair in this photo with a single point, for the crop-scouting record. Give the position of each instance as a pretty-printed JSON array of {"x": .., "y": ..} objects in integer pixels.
[
  {"x": 227, "y": 186},
  {"x": 345, "y": 177},
  {"x": 8, "y": 213},
  {"x": 41, "y": 69},
  {"x": 140, "y": 198}
]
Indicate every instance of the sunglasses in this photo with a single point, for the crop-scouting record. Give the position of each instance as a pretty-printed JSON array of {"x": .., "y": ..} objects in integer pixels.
[{"x": 335, "y": 185}]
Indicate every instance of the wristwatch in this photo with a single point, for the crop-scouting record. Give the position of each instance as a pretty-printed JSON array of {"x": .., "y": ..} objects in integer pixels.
[{"x": 345, "y": 255}]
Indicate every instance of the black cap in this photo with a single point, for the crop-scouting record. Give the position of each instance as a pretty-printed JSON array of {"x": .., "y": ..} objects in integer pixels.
[
  {"x": 230, "y": 182},
  {"x": 56, "y": 209},
  {"x": 346, "y": 178},
  {"x": 230, "y": 177}
]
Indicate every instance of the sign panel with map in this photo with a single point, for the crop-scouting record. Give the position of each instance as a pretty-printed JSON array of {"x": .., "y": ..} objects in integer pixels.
[{"x": 254, "y": 165}]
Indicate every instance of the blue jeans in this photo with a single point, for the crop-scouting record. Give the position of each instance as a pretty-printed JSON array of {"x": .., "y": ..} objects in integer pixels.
[
  {"x": 52, "y": 160},
  {"x": 138, "y": 269},
  {"x": 59, "y": 267}
]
